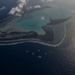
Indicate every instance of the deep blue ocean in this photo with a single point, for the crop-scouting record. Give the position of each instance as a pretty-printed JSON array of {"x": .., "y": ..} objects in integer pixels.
[
  {"x": 20, "y": 60},
  {"x": 33, "y": 58}
]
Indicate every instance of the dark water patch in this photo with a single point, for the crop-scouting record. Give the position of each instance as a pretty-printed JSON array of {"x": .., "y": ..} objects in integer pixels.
[{"x": 16, "y": 60}]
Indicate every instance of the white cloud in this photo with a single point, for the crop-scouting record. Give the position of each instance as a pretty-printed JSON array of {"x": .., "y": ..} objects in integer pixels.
[
  {"x": 42, "y": 0},
  {"x": 49, "y": 0},
  {"x": 46, "y": 0},
  {"x": 37, "y": 6},
  {"x": 30, "y": 7},
  {"x": 73, "y": 11},
  {"x": 2, "y": 8},
  {"x": 18, "y": 9},
  {"x": 42, "y": 18},
  {"x": 12, "y": 11},
  {"x": 33, "y": 7}
]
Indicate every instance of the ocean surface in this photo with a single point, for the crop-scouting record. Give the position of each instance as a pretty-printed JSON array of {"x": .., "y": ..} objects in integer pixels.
[{"x": 34, "y": 58}]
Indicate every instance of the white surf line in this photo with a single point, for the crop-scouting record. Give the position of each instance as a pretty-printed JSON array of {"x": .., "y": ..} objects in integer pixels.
[{"x": 40, "y": 42}]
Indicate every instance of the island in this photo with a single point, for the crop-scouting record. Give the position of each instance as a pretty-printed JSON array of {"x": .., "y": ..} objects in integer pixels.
[{"x": 12, "y": 37}]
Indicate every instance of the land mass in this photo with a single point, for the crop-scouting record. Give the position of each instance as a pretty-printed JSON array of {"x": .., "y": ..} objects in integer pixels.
[
  {"x": 17, "y": 36},
  {"x": 57, "y": 21}
]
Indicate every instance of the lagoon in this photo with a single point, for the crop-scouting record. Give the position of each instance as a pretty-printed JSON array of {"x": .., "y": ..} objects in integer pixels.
[{"x": 33, "y": 21}]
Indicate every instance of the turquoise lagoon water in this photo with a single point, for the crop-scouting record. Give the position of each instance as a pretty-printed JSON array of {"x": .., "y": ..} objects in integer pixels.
[{"x": 33, "y": 21}]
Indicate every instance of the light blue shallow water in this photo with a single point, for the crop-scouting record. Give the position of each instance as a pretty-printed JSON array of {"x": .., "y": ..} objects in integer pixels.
[{"x": 34, "y": 21}]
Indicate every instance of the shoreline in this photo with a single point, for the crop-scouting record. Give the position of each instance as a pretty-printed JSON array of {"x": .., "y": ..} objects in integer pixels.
[
  {"x": 15, "y": 37},
  {"x": 36, "y": 41}
]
